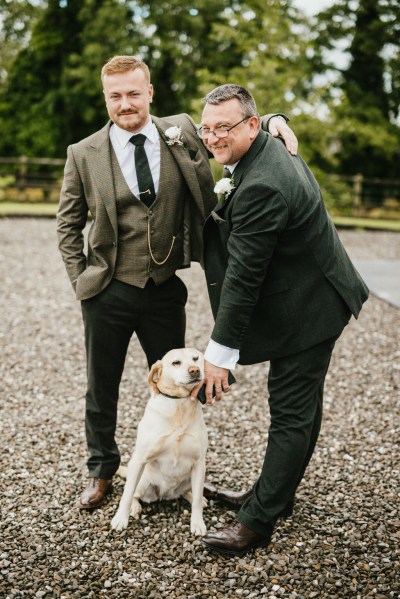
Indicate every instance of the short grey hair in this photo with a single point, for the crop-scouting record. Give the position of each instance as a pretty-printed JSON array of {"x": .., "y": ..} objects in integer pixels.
[{"x": 231, "y": 91}]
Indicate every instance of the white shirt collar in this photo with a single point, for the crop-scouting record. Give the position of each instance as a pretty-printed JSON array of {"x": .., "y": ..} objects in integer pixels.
[
  {"x": 123, "y": 136},
  {"x": 231, "y": 167}
]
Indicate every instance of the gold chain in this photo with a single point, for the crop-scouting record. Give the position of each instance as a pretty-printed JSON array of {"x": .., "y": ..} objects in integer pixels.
[{"x": 151, "y": 253}]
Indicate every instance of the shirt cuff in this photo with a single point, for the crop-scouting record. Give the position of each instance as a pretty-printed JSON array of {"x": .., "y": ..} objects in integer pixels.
[
  {"x": 220, "y": 355},
  {"x": 280, "y": 116}
]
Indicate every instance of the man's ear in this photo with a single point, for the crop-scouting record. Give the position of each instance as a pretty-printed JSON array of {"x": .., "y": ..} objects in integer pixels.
[
  {"x": 254, "y": 123},
  {"x": 155, "y": 374}
]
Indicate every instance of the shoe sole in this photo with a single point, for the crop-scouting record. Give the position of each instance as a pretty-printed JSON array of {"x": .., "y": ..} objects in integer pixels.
[{"x": 237, "y": 553}]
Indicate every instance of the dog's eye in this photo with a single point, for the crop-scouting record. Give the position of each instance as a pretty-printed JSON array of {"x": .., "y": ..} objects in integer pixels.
[
  {"x": 195, "y": 358},
  {"x": 176, "y": 363}
]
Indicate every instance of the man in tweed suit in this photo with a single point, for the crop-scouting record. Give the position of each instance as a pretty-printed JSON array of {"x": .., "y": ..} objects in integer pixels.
[
  {"x": 282, "y": 288},
  {"x": 149, "y": 195}
]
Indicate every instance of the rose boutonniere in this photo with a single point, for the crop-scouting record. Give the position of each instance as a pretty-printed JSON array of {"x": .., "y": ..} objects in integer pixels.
[
  {"x": 174, "y": 135},
  {"x": 223, "y": 188}
]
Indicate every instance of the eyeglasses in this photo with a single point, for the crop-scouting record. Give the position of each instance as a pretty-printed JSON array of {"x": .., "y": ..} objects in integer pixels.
[{"x": 219, "y": 132}]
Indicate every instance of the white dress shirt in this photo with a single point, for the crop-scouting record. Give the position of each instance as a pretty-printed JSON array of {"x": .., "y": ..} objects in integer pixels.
[
  {"x": 217, "y": 354},
  {"x": 125, "y": 152}
]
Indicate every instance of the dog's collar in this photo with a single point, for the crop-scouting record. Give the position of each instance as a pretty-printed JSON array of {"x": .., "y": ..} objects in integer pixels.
[{"x": 173, "y": 396}]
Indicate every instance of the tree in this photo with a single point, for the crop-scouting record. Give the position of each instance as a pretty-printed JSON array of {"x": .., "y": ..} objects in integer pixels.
[
  {"x": 53, "y": 89},
  {"x": 174, "y": 40},
  {"x": 16, "y": 19},
  {"x": 264, "y": 49},
  {"x": 364, "y": 100}
]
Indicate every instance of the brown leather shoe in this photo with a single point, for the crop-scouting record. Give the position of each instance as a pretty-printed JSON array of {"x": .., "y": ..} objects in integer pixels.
[
  {"x": 234, "y": 540},
  {"x": 235, "y": 500},
  {"x": 95, "y": 493}
]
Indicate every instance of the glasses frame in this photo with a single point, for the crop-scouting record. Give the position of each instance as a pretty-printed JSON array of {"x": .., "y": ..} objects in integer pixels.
[{"x": 226, "y": 131}]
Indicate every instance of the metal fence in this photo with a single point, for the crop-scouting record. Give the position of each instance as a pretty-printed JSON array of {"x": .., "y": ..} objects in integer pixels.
[{"x": 26, "y": 179}]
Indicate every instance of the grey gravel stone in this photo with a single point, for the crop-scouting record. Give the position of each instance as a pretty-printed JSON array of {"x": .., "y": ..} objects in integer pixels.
[{"x": 343, "y": 538}]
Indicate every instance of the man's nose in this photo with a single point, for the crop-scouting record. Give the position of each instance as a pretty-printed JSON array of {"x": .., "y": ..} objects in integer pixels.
[
  {"x": 212, "y": 133},
  {"x": 125, "y": 102}
]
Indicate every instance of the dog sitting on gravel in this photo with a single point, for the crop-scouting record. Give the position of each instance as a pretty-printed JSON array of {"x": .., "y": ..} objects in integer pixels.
[{"x": 170, "y": 451}]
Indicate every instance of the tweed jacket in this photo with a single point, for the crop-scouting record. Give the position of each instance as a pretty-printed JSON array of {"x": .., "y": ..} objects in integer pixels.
[
  {"x": 278, "y": 277},
  {"x": 88, "y": 187}
]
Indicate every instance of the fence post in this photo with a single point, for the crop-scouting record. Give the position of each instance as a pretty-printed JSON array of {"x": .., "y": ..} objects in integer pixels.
[
  {"x": 357, "y": 193},
  {"x": 22, "y": 171}
]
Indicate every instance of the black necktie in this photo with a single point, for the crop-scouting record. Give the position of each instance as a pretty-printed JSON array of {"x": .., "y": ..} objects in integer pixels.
[
  {"x": 145, "y": 180},
  {"x": 226, "y": 173}
]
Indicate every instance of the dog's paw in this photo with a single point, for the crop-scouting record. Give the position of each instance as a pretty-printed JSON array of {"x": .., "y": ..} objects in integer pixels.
[
  {"x": 197, "y": 526},
  {"x": 136, "y": 508},
  {"x": 205, "y": 502},
  {"x": 120, "y": 521}
]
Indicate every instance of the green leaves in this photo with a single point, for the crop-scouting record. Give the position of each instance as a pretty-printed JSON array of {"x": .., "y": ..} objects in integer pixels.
[{"x": 345, "y": 117}]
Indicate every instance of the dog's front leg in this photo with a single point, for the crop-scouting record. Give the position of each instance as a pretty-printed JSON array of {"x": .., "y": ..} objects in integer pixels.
[
  {"x": 133, "y": 474},
  {"x": 198, "y": 474}
]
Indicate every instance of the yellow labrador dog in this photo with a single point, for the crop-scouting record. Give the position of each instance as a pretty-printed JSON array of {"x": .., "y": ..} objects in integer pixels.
[{"x": 170, "y": 452}]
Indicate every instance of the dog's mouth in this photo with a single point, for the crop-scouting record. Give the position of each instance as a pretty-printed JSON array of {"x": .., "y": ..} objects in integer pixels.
[
  {"x": 181, "y": 388},
  {"x": 194, "y": 379}
]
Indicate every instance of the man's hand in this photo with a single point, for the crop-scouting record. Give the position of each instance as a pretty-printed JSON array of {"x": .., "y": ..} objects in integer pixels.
[
  {"x": 217, "y": 378},
  {"x": 277, "y": 126}
]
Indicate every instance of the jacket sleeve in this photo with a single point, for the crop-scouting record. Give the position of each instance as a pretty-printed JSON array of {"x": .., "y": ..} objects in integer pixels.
[
  {"x": 257, "y": 221},
  {"x": 265, "y": 119},
  {"x": 71, "y": 220}
]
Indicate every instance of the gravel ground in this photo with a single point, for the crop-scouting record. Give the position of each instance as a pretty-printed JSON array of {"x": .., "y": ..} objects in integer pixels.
[{"x": 343, "y": 538}]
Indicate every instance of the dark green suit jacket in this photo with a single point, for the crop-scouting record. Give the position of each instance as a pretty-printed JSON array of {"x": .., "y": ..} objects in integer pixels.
[{"x": 278, "y": 277}]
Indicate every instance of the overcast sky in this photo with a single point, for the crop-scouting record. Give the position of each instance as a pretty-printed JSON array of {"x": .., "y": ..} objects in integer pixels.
[{"x": 312, "y": 6}]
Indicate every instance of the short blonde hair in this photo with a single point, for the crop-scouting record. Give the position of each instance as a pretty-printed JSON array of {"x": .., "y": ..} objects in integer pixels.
[{"x": 123, "y": 64}]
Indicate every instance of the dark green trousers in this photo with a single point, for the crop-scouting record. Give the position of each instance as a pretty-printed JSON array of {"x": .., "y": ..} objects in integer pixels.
[
  {"x": 157, "y": 315},
  {"x": 295, "y": 385}
]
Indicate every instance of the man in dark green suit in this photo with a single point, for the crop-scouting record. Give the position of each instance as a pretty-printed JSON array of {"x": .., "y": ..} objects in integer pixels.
[{"x": 282, "y": 288}]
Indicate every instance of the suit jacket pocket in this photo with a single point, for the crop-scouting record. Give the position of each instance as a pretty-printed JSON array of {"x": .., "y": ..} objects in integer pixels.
[{"x": 224, "y": 229}]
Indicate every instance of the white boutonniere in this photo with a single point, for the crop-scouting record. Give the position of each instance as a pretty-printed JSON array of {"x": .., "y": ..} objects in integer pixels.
[
  {"x": 223, "y": 187},
  {"x": 174, "y": 135}
]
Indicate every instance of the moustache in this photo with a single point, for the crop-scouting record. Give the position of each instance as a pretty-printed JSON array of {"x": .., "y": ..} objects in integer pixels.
[{"x": 122, "y": 112}]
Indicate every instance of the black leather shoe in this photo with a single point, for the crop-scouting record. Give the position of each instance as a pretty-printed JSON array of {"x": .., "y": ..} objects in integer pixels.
[
  {"x": 209, "y": 491},
  {"x": 234, "y": 540},
  {"x": 235, "y": 500}
]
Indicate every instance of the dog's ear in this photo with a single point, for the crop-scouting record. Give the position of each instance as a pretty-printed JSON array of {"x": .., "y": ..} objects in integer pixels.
[{"x": 155, "y": 374}]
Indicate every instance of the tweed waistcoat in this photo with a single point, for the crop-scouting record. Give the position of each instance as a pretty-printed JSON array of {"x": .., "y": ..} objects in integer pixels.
[{"x": 160, "y": 223}]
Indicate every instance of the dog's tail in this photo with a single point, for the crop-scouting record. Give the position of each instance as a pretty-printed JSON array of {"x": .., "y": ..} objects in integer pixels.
[{"x": 122, "y": 471}]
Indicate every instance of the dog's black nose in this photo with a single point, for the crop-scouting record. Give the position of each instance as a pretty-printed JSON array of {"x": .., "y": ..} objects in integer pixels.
[{"x": 194, "y": 371}]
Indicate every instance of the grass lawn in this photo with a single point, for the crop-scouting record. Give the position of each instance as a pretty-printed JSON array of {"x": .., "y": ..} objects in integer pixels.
[
  {"x": 27, "y": 209},
  {"x": 367, "y": 223},
  {"x": 42, "y": 209}
]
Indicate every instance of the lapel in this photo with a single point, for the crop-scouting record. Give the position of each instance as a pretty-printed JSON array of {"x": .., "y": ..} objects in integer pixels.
[
  {"x": 243, "y": 165},
  {"x": 181, "y": 155},
  {"x": 100, "y": 165}
]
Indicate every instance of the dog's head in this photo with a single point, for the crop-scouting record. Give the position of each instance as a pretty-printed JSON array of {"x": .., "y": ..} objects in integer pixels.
[{"x": 178, "y": 372}]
